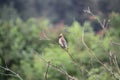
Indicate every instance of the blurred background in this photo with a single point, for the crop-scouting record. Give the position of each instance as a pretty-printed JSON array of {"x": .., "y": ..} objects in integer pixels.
[{"x": 29, "y": 30}]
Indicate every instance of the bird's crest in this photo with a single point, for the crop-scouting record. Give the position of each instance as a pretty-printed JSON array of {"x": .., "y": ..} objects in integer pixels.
[{"x": 60, "y": 35}]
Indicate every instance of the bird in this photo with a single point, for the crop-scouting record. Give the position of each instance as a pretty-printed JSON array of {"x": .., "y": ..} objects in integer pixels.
[{"x": 62, "y": 42}]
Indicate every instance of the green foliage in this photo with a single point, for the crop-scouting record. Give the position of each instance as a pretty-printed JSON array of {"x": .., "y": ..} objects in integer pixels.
[
  {"x": 115, "y": 22},
  {"x": 115, "y": 18},
  {"x": 22, "y": 49},
  {"x": 99, "y": 74},
  {"x": 18, "y": 40}
]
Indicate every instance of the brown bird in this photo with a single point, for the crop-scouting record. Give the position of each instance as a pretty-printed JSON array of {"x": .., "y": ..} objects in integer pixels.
[{"x": 62, "y": 41}]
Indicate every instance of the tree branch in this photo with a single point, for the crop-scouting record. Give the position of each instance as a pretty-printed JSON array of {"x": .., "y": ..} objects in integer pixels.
[
  {"x": 46, "y": 77},
  {"x": 91, "y": 53},
  {"x": 13, "y": 73},
  {"x": 59, "y": 69}
]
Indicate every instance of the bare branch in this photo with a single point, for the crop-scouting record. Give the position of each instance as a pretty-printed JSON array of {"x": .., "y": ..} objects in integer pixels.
[
  {"x": 115, "y": 43},
  {"x": 114, "y": 59},
  {"x": 110, "y": 57},
  {"x": 46, "y": 73},
  {"x": 8, "y": 74},
  {"x": 91, "y": 53},
  {"x": 59, "y": 69},
  {"x": 89, "y": 12},
  {"x": 13, "y": 73},
  {"x": 76, "y": 62}
]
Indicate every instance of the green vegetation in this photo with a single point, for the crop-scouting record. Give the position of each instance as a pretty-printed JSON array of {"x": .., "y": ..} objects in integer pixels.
[{"x": 23, "y": 45}]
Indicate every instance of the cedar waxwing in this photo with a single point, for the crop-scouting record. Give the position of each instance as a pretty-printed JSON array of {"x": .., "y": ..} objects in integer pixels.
[{"x": 62, "y": 41}]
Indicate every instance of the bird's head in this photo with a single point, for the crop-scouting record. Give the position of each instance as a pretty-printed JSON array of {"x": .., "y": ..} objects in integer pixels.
[{"x": 61, "y": 35}]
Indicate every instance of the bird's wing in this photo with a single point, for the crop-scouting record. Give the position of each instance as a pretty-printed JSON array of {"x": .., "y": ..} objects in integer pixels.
[{"x": 64, "y": 43}]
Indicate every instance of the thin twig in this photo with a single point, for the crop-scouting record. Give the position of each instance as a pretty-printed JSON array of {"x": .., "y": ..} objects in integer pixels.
[
  {"x": 13, "y": 73},
  {"x": 110, "y": 57},
  {"x": 72, "y": 58},
  {"x": 115, "y": 43},
  {"x": 116, "y": 63},
  {"x": 75, "y": 62},
  {"x": 93, "y": 54},
  {"x": 46, "y": 73},
  {"x": 59, "y": 69},
  {"x": 93, "y": 67},
  {"x": 8, "y": 74},
  {"x": 89, "y": 12}
]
